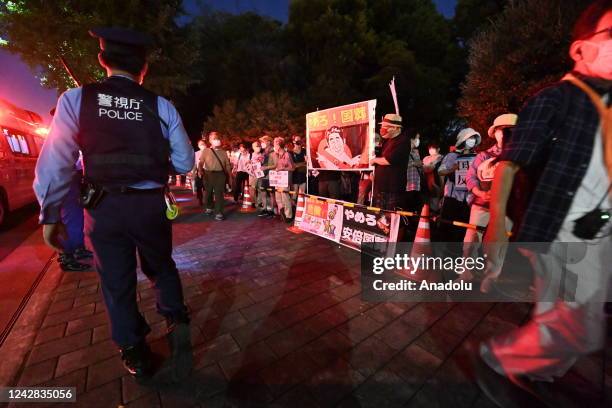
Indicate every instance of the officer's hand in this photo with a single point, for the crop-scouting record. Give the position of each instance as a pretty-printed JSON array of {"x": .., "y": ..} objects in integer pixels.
[{"x": 54, "y": 235}]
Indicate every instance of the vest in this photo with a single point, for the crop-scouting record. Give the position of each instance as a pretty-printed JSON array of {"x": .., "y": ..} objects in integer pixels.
[{"x": 120, "y": 135}]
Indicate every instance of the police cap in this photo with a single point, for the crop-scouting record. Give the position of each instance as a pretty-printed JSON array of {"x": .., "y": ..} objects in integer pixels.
[{"x": 121, "y": 40}]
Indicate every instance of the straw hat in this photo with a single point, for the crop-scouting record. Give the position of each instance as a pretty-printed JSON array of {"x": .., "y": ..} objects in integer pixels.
[
  {"x": 502, "y": 121},
  {"x": 392, "y": 119}
]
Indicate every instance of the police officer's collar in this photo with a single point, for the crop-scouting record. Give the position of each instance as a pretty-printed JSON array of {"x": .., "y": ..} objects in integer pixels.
[{"x": 126, "y": 76}]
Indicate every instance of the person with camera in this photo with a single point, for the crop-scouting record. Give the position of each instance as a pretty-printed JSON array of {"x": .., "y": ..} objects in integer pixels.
[
  {"x": 563, "y": 143},
  {"x": 131, "y": 139}
]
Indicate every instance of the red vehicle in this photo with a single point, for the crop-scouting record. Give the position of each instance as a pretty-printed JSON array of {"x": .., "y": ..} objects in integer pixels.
[{"x": 21, "y": 138}]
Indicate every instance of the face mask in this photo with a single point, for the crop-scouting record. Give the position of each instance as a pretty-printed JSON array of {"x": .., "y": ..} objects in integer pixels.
[
  {"x": 417, "y": 142},
  {"x": 471, "y": 142},
  {"x": 216, "y": 143},
  {"x": 602, "y": 65}
]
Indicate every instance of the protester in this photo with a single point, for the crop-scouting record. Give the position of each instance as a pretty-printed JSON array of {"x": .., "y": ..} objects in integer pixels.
[
  {"x": 198, "y": 180},
  {"x": 298, "y": 155},
  {"x": 241, "y": 176},
  {"x": 480, "y": 176},
  {"x": 455, "y": 205},
  {"x": 280, "y": 160},
  {"x": 392, "y": 165},
  {"x": 329, "y": 183},
  {"x": 215, "y": 166},
  {"x": 258, "y": 196},
  {"x": 562, "y": 135},
  {"x": 431, "y": 163},
  {"x": 365, "y": 187},
  {"x": 270, "y": 199}
]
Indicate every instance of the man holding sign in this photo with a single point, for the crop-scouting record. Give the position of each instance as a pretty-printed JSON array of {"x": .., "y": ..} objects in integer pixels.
[{"x": 454, "y": 167}]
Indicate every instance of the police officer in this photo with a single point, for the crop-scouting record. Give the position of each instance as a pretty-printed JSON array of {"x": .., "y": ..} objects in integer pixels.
[{"x": 130, "y": 138}]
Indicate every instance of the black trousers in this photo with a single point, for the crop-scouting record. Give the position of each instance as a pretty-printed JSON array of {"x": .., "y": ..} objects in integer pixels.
[
  {"x": 241, "y": 178},
  {"x": 413, "y": 202},
  {"x": 199, "y": 188},
  {"x": 329, "y": 188},
  {"x": 121, "y": 226},
  {"x": 452, "y": 210},
  {"x": 214, "y": 182}
]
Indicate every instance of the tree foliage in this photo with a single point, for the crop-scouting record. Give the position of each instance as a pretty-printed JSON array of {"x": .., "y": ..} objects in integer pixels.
[
  {"x": 42, "y": 31},
  {"x": 524, "y": 49},
  {"x": 274, "y": 114},
  {"x": 334, "y": 52}
]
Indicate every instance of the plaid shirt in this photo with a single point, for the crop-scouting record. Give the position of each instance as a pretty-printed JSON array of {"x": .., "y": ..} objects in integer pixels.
[
  {"x": 554, "y": 137},
  {"x": 413, "y": 176}
]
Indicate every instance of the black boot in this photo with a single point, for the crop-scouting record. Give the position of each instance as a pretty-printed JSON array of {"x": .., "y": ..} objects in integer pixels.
[
  {"x": 137, "y": 359},
  {"x": 68, "y": 263},
  {"x": 82, "y": 253}
]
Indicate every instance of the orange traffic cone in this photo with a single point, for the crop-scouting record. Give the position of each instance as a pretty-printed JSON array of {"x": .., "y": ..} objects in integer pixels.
[
  {"x": 247, "y": 202},
  {"x": 299, "y": 213},
  {"x": 421, "y": 248}
]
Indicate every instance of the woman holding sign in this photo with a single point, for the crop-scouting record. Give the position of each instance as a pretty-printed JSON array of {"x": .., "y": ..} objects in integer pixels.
[
  {"x": 281, "y": 162},
  {"x": 454, "y": 167}
]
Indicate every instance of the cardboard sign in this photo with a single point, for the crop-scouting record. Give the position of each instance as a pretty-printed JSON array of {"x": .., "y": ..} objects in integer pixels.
[
  {"x": 254, "y": 169},
  {"x": 341, "y": 138},
  {"x": 279, "y": 178},
  {"x": 461, "y": 173},
  {"x": 321, "y": 218}
]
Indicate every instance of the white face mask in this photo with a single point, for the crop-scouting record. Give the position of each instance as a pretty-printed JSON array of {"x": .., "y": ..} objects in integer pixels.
[
  {"x": 417, "y": 142},
  {"x": 601, "y": 66},
  {"x": 216, "y": 143},
  {"x": 471, "y": 142}
]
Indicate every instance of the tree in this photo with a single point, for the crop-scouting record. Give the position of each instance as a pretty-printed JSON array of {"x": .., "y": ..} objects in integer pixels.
[
  {"x": 523, "y": 50},
  {"x": 275, "y": 114},
  {"x": 239, "y": 56},
  {"x": 43, "y": 31}
]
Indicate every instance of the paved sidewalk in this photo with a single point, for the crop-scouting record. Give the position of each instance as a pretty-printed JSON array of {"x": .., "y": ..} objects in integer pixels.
[{"x": 277, "y": 321}]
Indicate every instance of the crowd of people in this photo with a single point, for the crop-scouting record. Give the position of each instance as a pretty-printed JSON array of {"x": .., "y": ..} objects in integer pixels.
[
  {"x": 557, "y": 151},
  {"x": 239, "y": 171},
  {"x": 455, "y": 185}
]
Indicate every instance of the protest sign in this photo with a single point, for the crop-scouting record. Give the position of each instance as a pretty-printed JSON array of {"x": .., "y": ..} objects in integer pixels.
[
  {"x": 341, "y": 138},
  {"x": 279, "y": 178}
]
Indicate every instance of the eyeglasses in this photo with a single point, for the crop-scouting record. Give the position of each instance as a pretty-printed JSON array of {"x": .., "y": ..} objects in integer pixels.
[{"x": 605, "y": 30}]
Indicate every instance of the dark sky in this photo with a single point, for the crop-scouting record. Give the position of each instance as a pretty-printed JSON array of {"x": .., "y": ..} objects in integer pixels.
[{"x": 19, "y": 86}]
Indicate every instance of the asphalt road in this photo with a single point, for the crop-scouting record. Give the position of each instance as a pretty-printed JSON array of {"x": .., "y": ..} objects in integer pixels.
[{"x": 19, "y": 225}]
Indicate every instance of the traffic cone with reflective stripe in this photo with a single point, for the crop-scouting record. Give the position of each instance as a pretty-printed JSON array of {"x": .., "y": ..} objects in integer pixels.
[
  {"x": 421, "y": 248},
  {"x": 299, "y": 213},
  {"x": 247, "y": 202}
]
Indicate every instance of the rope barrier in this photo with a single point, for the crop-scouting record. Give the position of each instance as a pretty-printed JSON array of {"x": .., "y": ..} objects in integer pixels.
[{"x": 433, "y": 218}]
